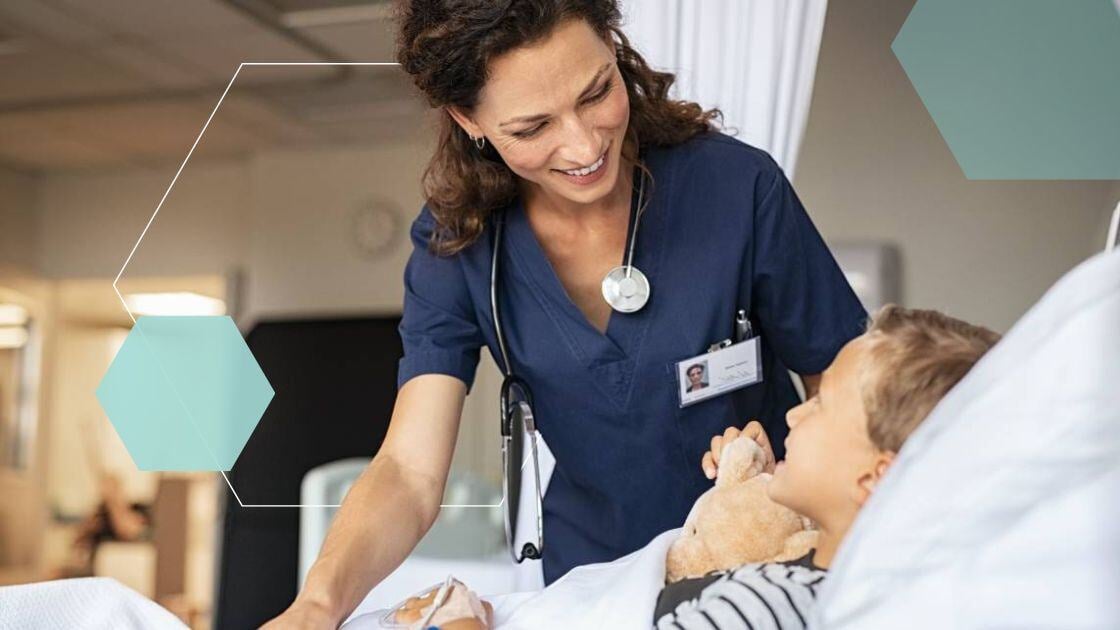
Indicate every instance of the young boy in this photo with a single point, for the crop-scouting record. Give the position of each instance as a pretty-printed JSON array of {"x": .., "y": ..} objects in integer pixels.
[{"x": 841, "y": 442}]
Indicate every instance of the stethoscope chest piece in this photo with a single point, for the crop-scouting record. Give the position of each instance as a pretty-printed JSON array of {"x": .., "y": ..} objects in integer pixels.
[{"x": 626, "y": 292}]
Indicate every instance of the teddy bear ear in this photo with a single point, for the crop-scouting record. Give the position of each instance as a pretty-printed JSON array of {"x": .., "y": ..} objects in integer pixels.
[{"x": 740, "y": 459}]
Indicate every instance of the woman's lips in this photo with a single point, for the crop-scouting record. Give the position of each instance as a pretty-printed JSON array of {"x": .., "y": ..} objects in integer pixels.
[{"x": 590, "y": 178}]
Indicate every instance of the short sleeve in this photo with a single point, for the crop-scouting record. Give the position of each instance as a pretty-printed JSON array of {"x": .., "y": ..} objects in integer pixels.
[
  {"x": 800, "y": 297},
  {"x": 438, "y": 328}
]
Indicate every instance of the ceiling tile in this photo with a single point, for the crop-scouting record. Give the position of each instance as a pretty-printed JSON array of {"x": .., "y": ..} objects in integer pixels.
[
  {"x": 361, "y": 41},
  {"x": 222, "y": 51},
  {"x": 159, "y": 17},
  {"x": 44, "y": 73},
  {"x": 45, "y": 20}
]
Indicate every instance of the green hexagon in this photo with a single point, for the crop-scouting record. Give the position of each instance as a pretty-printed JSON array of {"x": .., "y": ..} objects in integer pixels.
[
  {"x": 1020, "y": 89},
  {"x": 184, "y": 393}
]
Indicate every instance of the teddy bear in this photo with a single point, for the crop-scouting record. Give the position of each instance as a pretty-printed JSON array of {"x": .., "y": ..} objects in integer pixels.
[{"x": 735, "y": 522}]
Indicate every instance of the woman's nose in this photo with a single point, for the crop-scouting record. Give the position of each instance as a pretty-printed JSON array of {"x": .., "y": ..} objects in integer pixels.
[{"x": 583, "y": 147}]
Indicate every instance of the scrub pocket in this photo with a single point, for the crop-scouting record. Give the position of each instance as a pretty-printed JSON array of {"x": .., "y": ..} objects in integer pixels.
[{"x": 680, "y": 418}]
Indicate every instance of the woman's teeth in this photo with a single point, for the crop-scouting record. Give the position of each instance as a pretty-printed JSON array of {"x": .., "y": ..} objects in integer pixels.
[{"x": 579, "y": 172}]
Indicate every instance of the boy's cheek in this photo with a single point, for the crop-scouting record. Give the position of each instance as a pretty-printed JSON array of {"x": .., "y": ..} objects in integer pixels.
[{"x": 795, "y": 487}]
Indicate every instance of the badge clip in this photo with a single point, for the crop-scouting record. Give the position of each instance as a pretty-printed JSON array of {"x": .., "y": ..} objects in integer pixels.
[{"x": 719, "y": 345}]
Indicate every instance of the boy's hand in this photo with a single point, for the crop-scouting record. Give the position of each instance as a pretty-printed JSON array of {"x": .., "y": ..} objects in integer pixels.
[
  {"x": 415, "y": 607},
  {"x": 753, "y": 430}
]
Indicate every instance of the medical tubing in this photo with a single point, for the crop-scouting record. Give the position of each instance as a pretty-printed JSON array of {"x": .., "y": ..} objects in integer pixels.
[
  {"x": 637, "y": 217},
  {"x": 494, "y": 294}
]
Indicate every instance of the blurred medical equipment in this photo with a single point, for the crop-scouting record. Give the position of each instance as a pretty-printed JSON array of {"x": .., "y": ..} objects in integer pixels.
[
  {"x": 873, "y": 270},
  {"x": 463, "y": 541},
  {"x": 1113, "y": 230}
]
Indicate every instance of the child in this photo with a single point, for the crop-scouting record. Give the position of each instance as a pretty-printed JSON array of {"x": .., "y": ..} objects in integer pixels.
[{"x": 841, "y": 442}]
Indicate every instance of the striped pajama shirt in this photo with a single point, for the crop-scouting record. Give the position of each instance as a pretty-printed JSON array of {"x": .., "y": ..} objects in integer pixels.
[{"x": 767, "y": 596}]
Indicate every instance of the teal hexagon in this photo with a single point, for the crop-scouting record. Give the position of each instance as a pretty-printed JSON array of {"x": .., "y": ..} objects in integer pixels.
[
  {"x": 184, "y": 393},
  {"x": 1020, "y": 89}
]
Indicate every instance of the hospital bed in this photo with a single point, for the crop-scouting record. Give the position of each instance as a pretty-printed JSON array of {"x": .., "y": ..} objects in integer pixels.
[
  {"x": 1000, "y": 511},
  {"x": 484, "y": 563}
]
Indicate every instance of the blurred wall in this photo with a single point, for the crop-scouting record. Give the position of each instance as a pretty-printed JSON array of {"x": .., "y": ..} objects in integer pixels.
[
  {"x": 90, "y": 221},
  {"x": 18, "y": 233},
  {"x": 307, "y": 204},
  {"x": 286, "y": 217},
  {"x": 874, "y": 167}
]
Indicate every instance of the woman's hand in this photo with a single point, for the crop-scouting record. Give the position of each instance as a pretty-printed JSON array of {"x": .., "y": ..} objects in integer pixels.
[
  {"x": 303, "y": 614},
  {"x": 753, "y": 430}
]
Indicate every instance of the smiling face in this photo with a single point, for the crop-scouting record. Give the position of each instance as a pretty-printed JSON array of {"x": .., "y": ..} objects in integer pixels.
[
  {"x": 831, "y": 465},
  {"x": 553, "y": 108}
]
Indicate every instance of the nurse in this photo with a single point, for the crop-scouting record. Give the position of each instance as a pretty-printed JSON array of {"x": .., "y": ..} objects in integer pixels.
[{"x": 548, "y": 118}]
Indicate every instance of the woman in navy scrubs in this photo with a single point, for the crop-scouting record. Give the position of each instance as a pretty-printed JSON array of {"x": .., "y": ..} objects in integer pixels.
[{"x": 549, "y": 116}]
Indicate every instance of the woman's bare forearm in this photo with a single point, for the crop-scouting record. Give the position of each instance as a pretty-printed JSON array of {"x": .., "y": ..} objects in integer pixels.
[{"x": 386, "y": 512}]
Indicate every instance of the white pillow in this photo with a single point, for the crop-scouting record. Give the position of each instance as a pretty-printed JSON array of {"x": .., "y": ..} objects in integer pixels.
[{"x": 1003, "y": 508}]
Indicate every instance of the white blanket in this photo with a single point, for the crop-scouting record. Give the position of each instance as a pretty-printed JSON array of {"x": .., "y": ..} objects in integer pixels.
[
  {"x": 1003, "y": 508},
  {"x": 616, "y": 595},
  {"x": 86, "y": 603}
]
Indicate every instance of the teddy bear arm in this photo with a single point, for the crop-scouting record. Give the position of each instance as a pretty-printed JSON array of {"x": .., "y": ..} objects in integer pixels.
[{"x": 797, "y": 545}]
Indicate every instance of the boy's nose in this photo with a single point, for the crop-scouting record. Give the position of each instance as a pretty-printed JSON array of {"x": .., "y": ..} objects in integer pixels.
[{"x": 793, "y": 416}]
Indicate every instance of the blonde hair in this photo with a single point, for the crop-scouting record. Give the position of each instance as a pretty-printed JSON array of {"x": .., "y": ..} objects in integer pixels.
[{"x": 915, "y": 357}]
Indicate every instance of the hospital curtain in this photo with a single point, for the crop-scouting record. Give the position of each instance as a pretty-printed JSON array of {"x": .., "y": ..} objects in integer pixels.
[{"x": 754, "y": 59}]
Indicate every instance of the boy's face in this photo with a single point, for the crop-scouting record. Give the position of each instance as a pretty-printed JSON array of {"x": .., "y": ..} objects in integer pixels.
[{"x": 831, "y": 466}]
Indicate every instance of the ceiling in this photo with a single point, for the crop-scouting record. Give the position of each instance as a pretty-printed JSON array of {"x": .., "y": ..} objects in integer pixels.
[{"x": 114, "y": 83}]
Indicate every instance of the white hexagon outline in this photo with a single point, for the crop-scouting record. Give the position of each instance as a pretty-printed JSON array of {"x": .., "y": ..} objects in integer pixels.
[{"x": 153, "y": 218}]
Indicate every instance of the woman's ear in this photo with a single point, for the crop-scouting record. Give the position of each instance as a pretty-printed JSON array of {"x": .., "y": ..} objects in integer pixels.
[
  {"x": 870, "y": 478},
  {"x": 464, "y": 121}
]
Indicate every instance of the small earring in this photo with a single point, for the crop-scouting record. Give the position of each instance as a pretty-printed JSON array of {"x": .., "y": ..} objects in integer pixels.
[{"x": 479, "y": 142}]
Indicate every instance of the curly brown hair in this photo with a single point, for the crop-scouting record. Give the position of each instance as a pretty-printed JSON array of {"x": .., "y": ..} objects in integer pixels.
[{"x": 446, "y": 45}]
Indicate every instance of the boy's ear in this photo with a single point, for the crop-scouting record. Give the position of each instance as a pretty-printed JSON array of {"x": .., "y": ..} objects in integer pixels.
[{"x": 870, "y": 478}]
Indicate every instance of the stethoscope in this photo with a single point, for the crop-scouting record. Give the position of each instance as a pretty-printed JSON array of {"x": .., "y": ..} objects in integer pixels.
[{"x": 626, "y": 289}]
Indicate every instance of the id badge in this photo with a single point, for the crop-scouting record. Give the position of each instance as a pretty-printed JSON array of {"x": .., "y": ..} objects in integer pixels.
[{"x": 713, "y": 373}]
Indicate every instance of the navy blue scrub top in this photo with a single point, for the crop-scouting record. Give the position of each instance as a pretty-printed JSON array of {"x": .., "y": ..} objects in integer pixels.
[{"x": 723, "y": 230}]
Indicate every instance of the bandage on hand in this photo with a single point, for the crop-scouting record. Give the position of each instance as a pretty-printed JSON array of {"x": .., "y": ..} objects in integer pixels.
[{"x": 461, "y": 610}]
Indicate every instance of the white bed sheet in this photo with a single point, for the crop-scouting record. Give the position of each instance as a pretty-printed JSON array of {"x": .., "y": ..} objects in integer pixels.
[
  {"x": 82, "y": 603},
  {"x": 619, "y": 595}
]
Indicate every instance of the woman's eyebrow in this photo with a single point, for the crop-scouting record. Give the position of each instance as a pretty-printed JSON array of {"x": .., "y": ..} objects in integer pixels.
[{"x": 585, "y": 92}]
